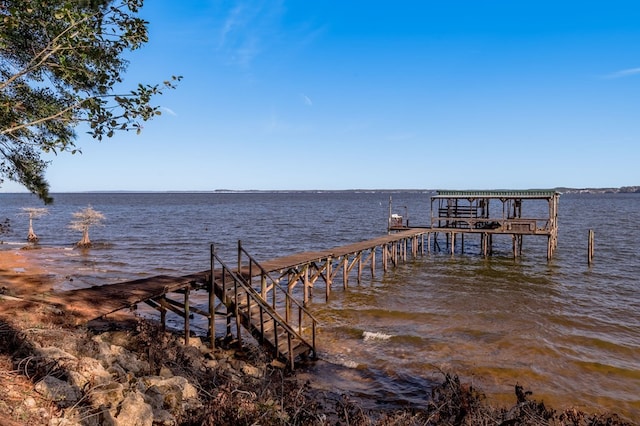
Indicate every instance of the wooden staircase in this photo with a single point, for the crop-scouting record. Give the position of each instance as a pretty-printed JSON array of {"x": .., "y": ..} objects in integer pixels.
[{"x": 266, "y": 314}]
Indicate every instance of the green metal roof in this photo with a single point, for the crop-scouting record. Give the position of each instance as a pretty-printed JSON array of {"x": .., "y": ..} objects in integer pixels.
[{"x": 498, "y": 193}]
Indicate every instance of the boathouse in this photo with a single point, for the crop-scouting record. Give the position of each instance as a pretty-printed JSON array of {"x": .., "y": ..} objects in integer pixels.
[
  {"x": 486, "y": 213},
  {"x": 508, "y": 212}
]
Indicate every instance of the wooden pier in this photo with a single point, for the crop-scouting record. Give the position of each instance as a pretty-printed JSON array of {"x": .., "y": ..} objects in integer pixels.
[
  {"x": 270, "y": 299},
  {"x": 257, "y": 297}
]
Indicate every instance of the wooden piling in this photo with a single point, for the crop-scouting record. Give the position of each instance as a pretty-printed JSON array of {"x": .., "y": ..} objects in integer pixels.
[{"x": 590, "y": 247}]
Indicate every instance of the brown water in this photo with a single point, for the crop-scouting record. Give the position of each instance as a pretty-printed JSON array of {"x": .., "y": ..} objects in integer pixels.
[{"x": 566, "y": 331}]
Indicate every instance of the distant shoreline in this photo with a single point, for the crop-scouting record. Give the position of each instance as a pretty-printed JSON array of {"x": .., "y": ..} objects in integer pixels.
[{"x": 563, "y": 190}]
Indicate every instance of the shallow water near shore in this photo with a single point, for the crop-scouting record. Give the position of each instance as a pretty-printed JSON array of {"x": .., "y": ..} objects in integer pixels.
[{"x": 565, "y": 330}]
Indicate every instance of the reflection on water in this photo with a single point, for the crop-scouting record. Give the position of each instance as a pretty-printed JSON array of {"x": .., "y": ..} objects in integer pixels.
[{"x": 568, "y": 332}]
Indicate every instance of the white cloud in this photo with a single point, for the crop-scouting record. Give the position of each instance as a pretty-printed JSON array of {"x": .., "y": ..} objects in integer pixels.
[
  {"x": 624, "y": 73},
  {"x": 168, "y": 111},
  {"x": 248, "y": 29},
  {"x": 307, "y": 100}
]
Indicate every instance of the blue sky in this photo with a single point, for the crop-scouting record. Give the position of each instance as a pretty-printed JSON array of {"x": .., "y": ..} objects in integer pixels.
[{"x": 330, "y": 94}]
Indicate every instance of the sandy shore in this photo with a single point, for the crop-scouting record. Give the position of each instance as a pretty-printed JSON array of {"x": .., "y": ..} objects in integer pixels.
[{"x": 22, "y": 275}]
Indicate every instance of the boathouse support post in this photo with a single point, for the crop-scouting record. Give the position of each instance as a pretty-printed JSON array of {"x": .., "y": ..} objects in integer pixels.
[
  {"x": 453, "y": 242},
  {"x": 484, "y": 243},
  {"x": 517, "y": 245},
  {"x": 520, "y": 241}
]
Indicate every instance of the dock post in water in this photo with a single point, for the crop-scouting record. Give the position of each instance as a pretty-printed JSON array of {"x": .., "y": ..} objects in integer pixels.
[{"x": 590, "y": 247}]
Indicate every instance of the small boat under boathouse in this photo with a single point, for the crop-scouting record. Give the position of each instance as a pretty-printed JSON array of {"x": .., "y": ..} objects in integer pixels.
[{"x": 455, "y": 213}]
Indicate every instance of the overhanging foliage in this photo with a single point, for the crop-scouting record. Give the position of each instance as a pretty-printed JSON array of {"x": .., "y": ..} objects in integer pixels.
[{"x": 59, "y": 63}]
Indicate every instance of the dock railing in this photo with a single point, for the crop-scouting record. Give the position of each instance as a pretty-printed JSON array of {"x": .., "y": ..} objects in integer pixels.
[
  {"x": 236, "y": 292},
  {"x": 279, "y": 298}
]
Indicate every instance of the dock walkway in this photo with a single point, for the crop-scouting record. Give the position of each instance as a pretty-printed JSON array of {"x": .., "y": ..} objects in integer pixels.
[{"x": 259, "y": 295}]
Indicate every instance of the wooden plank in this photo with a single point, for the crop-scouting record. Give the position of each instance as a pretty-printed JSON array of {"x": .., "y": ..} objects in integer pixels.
[
  {"x": 291, "y": 261},
  {"x": 97, "y": 301}
]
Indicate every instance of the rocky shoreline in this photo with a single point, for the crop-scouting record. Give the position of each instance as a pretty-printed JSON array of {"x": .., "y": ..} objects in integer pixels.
[
  {"x": 126, "y": 370},
  {"x": 132, "y": 374}
]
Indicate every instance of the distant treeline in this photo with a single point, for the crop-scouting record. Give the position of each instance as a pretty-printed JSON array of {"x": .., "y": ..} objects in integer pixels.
[
  {"x": 621, "y": 190},
  {"x": 564, "y": 190}
]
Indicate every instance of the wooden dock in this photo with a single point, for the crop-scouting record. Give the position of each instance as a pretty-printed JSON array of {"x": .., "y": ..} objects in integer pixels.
[
  {"x": 254, "y": 296},
  {"x": 263, "y": 297},
  {"x": 308, "y": 267}
]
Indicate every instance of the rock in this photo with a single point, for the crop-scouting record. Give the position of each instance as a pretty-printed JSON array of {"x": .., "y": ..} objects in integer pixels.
[
  {"x": 252, "y": 371},
  {"x": 278, "y": 364},
  {"x": 61, "y": 421},
  {"x": 76, "y": 379},
  {"x": 129, "y": 361},
  {"x": 193, "y": 358},
  {"x": 110, "y": 354},
  {"x": 164, "y": 418},
  {"x": 58, "y": 391},
  {"x": 54, "y": 353},
  {"x": 104, "y": 352},
  {"x": 89, "y": 371},
  {"x": 194, "y": 341},
  {"x": 117, "y": 338},
  {"x": 165, "y": 372},
  {"x": 108, "y": 395},
  {"x": 29, "y": 402},
  {"x": 102, "y": 417},
  {"x": 134, "y": 411},
  {"x": 117, "y": 373},
  {"x": 174, "y": 394},
  {"x": 237, "y": 364}
]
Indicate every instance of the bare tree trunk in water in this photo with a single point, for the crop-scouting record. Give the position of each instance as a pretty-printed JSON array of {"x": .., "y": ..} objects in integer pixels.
[
  {"x": 85, "y": 241},
  {"x": 31, "y": 237}
]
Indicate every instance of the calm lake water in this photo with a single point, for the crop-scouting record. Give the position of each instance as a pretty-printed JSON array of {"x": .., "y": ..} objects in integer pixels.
[{"x": 565, "y": 330}]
